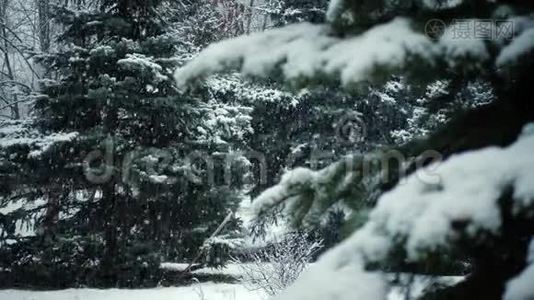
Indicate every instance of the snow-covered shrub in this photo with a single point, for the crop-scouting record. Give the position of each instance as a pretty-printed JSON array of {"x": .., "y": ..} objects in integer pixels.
[{"x": 278, "y": 265}]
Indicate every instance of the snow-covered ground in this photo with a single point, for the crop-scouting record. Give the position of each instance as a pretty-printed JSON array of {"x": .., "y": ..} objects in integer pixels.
[
  {"x": 204, "y": 291},
  {"x": 200, "y": 291}
]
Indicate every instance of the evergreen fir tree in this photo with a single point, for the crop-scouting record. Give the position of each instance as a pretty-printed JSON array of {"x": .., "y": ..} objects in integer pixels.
[
  {"x": 127, "y": 192},
  {"x": 284, "y": 12},
  {"x": 416, "y": 225}
]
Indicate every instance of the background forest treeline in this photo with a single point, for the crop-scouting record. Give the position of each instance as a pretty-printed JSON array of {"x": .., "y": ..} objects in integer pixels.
[{"x": 108, "y": 169}]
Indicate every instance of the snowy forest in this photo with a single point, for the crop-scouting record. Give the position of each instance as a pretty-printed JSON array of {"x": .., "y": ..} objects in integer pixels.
[{"x": 266, "y": 149}]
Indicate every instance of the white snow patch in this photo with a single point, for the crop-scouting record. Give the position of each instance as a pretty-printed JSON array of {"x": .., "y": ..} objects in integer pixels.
[
  {"x": 521, "y": 287},
  {"x": 303, "y": 50},
  {"x": 232, "y": 269},
  {"x": 440, "y": 4},
  {"x": 347, "y": 282},
  {"x": 423, "y": 214},
  {"x": 170, "y": 266},
  {"x": 458, "y": 48},
  {"x": 523, "y": 44},
  {"x": 289, "y": 181},
  {"x": 141, "y": 63},
  {"x": 274, "y": 232},
  {"x": 335, "y": 9},
  {"x": 21, "y": 132},
  {"x": 204, "y": 291}
]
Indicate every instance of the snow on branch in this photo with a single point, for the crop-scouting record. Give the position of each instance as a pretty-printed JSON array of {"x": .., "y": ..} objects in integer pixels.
[
  {"x": 523, "y": 44},
  {"x": 434, "y": 208},
  {"x": 141, "y": 64},
  {"x": 520, "y": 287},
  {"x": 309, "y": 51},
  {"x": 421, "y": 217},
  {"x": 305, "y": 196},
  {"x": 22, "y": 133},
  {"x": 341, "y": 9}
]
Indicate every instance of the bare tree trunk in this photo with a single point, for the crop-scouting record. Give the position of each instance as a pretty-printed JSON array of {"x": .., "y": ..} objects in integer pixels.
[
  {"x": 43, "y": 10},
  {"x": 3, "y": 23},
  {"x": 15, "y": 110},
  {"x": 43, "y": 33},
  {"x": 4, "y": 4},
  {"x": 250, "y": 15}
]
